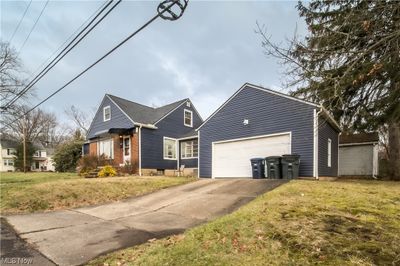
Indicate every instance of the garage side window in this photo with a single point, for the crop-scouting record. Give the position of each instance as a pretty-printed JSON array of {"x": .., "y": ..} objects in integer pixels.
[
  {"x": 170, "y": 149},
  {"x": 106, "y": 148},
  {"x": 106, "y": 113},
  {"x": 189, "y": 149},
  {"x": 329, "y": 152}
]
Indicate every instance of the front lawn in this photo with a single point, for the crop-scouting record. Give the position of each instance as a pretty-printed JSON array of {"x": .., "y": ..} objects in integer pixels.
[
  {"x": 22, "y": 193},
  {"x": 299, "y": 223}
]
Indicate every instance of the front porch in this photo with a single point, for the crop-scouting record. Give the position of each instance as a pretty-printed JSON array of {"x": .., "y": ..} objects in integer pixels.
[{"x": 119, "y": 146}]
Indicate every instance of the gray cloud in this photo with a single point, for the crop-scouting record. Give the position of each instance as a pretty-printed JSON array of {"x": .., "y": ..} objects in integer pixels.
[{"x": 205, "y": 56}]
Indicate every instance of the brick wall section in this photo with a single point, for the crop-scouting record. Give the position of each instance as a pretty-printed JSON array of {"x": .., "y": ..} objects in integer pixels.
[
  {"x": 93, "y": 148},
  {"x": 118, "y": 151},
  {"x": 135, "y": 151}
]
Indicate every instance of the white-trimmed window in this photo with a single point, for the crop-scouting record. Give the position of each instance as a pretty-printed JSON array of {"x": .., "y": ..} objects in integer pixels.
[
  {"x": 170, "y": 148},
  {"x": 329, "y": 152},
  {"x": 188, "y": 118},
  {"x": 106, "y": 147},
  {"x": 189, "y": 149},
  {"x": 8, "y": 162},
  {"x": 106, "y": 113}
]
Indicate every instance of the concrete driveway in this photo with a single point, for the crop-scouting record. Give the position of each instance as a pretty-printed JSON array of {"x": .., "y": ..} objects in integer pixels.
[{"x": 73, "y": 237}]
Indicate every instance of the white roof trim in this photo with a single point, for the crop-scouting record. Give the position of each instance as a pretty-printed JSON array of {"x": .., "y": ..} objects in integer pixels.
[
  {"x": 186, "y": 100},
  {"x": 257, "y": 88},
  {"x": 330, "y": 118},
  {"x": 170, "y": 112},
  {"x": 98, "y": 109}
]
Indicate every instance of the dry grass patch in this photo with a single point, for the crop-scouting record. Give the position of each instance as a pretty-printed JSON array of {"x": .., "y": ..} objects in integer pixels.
[
  {"x": 299, "y": 223},
  {"x": 22, "y": 193}
]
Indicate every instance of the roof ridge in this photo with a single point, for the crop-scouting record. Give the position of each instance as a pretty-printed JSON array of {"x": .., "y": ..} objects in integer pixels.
[
  {"x": 147, "y": 105},
  {"x": 130, "y": 101},
  {"x": 173, "y": 103}
]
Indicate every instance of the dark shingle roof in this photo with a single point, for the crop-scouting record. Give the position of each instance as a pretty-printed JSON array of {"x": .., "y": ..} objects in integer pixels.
[
  {"x": 144, "y": 114},
  {"x": 359, "y": 138},
  {"x": 9, "y": 143}
]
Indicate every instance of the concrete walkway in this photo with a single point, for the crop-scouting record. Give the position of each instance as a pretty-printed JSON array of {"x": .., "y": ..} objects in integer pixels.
[{"x": 73, "y": 237}]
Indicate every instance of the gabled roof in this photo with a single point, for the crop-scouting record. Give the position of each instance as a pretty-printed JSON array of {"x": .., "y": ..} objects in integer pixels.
[
  {"x": 143, "y": 114},
  {"x": 359, "y": 138}
]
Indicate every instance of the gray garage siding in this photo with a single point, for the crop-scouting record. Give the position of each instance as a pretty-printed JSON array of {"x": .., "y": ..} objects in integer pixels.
[
  {"x": 171, "y": 126},
  {"x": 268, "y": 114},
  {"x": 118, "y": 119},
  {"x": 325, "y": 132}
]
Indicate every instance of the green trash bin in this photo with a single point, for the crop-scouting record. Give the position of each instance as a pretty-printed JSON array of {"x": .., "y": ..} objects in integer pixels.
[
  {"x": 290, "y": 166},
  {"x": 273, "y": 167}
]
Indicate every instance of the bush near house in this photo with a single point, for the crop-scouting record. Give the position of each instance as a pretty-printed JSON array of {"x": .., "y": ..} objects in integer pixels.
[
  {"x": 107, "y": 170},
  {"x": 67, "y": 156}
]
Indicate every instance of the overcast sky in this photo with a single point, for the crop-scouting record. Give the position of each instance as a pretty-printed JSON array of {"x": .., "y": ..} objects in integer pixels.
[{"x": 206, "y": 55}]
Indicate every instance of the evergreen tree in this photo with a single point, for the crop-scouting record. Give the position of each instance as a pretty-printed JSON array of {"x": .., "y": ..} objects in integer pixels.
[
  {"x": 349, "y": 62},
  {"x": 19, "y": 160}
]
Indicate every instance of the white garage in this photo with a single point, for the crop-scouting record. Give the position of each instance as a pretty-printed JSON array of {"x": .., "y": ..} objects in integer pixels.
[{"x": 231, "y": 158}]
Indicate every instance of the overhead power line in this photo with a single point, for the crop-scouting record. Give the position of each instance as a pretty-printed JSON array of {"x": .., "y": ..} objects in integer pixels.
[
  {"x": 68, "y": 39},
  {"x": 72, "y": 44},
  {"x": 20, "y": 21},
  {"x": 164, "y": 7},
  {"x": 33, "y": 27}
]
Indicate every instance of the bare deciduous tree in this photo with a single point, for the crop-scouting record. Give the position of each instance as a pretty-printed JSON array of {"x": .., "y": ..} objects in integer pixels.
[
  {"x": 81, "y": 119},
  {"x": 38, "y": 125}
]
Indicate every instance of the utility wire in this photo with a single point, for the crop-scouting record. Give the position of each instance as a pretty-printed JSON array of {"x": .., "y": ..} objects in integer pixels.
[
  {"x": 20, "y": 21},
  {"x": 33, "y": 27},
  {"x": 63, "y": 53},
  {"x": 68, "y": 39},
  {"x": 159, "y": 14}
]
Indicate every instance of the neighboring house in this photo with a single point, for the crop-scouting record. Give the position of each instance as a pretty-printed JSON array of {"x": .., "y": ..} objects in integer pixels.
[
  {"x": 8, "y": 150},
  {"x": 42, "y": 159},
  {"x": 152, "y": 140},
  {"x": 358, "y": 154},
  {"x": 258, "y": 122}
]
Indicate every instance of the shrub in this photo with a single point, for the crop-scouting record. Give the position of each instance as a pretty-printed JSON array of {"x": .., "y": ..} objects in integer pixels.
[
  {"x": 128, "y": 168},
  {"x": 67, "y": 156},
  {"x": 89, "y": 162},
  {"x": 107, "y": 170}
]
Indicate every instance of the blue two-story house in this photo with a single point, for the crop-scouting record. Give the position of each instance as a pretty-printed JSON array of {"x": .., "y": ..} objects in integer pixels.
[{"x": 159, "y": 140}]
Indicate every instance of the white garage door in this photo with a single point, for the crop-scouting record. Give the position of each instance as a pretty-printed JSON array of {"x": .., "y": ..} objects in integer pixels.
[{"x": 232, "y": 158}]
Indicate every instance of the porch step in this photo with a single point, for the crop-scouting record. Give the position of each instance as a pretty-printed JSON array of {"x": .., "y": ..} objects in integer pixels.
[{"x": 93, "y": 174}]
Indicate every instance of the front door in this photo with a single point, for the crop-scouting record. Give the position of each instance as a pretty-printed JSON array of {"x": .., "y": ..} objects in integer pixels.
[{"x": 127, "y": 149}]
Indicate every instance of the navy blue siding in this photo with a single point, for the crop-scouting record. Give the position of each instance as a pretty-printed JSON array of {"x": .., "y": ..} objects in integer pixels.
[
  {"x": 268, "y": 113},
  {"x": 325, "y": 131},
  {"x": 118, "y": 119},
  {"x": 171, "y": 126}
]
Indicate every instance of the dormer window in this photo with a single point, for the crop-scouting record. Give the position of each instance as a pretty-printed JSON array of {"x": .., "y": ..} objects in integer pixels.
[
  {"x": 188, "y": 118},
  {"x": 106, "y": 113}
]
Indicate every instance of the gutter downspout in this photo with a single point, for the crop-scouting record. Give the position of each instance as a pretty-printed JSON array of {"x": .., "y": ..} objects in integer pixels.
[
  {"x": 140, "y": 150},
  {"x": 316, "y": 148}
]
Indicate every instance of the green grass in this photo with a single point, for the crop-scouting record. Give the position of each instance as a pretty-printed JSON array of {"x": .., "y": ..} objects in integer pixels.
[
  {"x": 24, "y": 193},
  {"x": 299, "y": 223}
]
